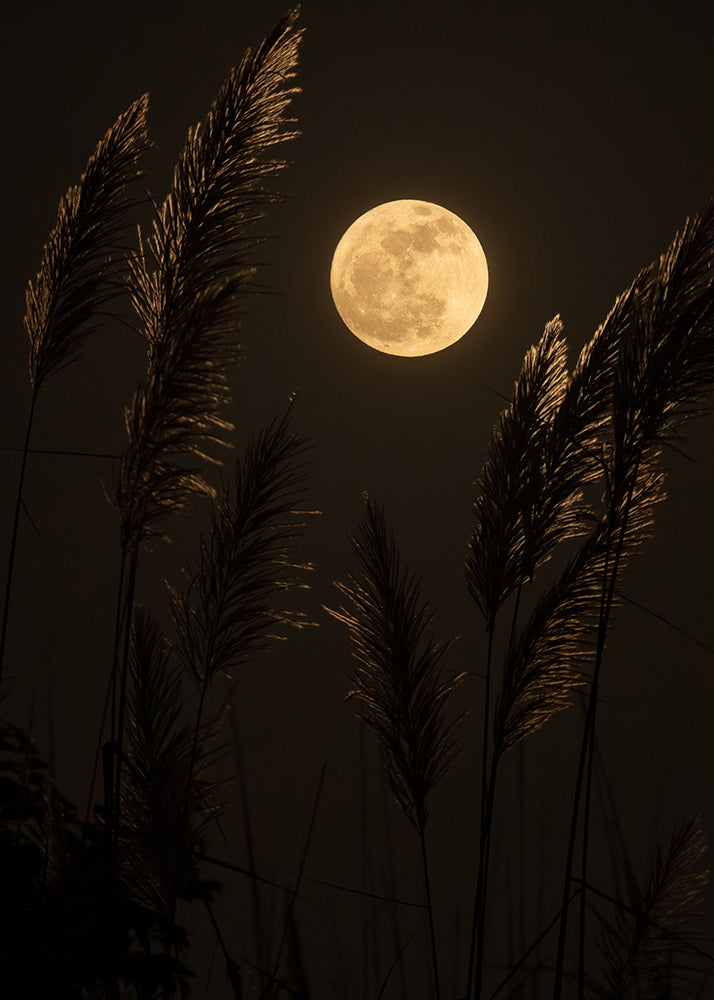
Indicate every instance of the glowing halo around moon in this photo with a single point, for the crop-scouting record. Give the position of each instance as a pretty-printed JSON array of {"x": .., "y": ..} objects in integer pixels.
[{"x": 409, "y": 278}]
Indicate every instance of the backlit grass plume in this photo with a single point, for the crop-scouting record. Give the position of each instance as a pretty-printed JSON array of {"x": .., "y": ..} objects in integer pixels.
[
  {"x": 187, "y": 283},
  {"x": 79, "y": 274},
  {"x": 643, "y": 952},
  {"x": 398, "y": 680},
  {"x": 518, "y": 516},
  {"x": 86, "y": 249},
  {"x": 647, "y": 367},
  {"x": 662, "y": 371},
  {"x": 551, "y": 654},
  {"x": 191, "y": 275},
  {"x": 230, "y": 605},
  {"x": 159, "y": 834}
]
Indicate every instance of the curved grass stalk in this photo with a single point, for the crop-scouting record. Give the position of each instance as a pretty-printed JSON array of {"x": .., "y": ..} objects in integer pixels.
[
  {"x": 80, "y": 263},
  {"x": 662, "y": 371},
  {"x": 398, "y": 680},
  {"x": 186, "y": 284}
]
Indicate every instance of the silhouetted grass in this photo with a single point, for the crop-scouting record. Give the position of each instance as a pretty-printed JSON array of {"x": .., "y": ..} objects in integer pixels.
[{"x": 89, "y": 908}]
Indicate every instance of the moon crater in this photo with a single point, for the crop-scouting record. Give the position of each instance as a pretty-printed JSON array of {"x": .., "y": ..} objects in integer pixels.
[{"x": 409, "y": 278}]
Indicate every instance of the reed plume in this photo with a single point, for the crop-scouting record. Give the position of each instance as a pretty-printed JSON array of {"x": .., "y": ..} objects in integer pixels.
[
  {"x": 530, "y": 500},
  {"x": 191, "y": 275},
  {"x": 663, "y": 368},
  {"x": 504, "y": 549},
  {"x": 158, "y": 837},
  {"x": 398, "y": 681},
  {"x": 642, "y": 950},
  {"x": 548, "y": 659},
  {"x": 228, "y": 608},
  {"x": 80, "y": 272},
  {"x": 85, "y": 253},
  {"x": 187, "y": 282}
]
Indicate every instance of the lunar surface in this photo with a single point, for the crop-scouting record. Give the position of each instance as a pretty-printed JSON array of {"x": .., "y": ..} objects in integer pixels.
[{"x": 409, "y": 278}]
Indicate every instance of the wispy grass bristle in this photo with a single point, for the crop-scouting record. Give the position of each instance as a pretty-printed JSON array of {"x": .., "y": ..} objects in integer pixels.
[
  {"x": 86, "y": 251},
  {"x": 159, "y": 835},
  {"x": 643, "y": 954},
  {"x": 190, "y": 277},
  {"x": 526, "y": 503},
  {"x": 398, "y": 680},
  {"x": 229, "y": 607}
]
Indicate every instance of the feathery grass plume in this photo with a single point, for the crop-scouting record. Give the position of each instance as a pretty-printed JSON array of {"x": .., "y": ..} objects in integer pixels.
[
  {"x": 545, "y": 663},
  {"x": 158, "y": 836},
  {"x": 642, "y": 952},
  {"x": 398, "y": 680},
  {"x": 54, "y": 845},
  {"x": 522, "y": 511},
  {"x": 81, "y": 261},
  {"x": 666, "y": 366},
  {"x": 175, "y": 413},
  {"x": 228, "y": 608},
  {"x": 190, "y": 276},
  {"x": 85, "y": 250}
]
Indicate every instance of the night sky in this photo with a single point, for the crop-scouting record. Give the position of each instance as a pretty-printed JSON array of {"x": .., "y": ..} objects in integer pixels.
[{"x": 574, "y": 140}]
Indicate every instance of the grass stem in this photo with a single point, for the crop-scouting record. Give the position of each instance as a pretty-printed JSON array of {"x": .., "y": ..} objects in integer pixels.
[
  {"x": 434, "y": 959},
  {"x": 484, "y": 791},
  {"x": 15, "y": 528}
]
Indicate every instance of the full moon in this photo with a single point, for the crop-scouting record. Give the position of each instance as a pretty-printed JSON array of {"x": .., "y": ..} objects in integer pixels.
[{"x": 409, "y": 278}]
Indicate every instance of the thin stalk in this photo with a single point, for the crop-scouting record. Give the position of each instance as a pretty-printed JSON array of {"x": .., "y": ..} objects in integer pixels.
[
  {"x": 475, "y": 975},
  {"x": 118, "y": 622},
  {"x": 586, "y": 748},
  {"x": 258, "y": 919},
  {"x": 26, "y": 761},
  {"x": 184, "y": 811},
  {"x": 592, "y": 711},
  {"x": 392, "y": 886},
  {"x": 118, "y": 735},
  {"x": 541, "y": 899},
  {"x": 298, "y": 879},
  {"x": 584, "y": 859},
  {"x": 15, "y": 526},
  {"x": 435, "y": 965},
  {"x": 118, "y": 740},
  {"x": 194, "y": 746},
  {"x": 484, "y": 784},
  {"x": 483, "y": 884},
  {"x": 569, "y": 860},
  {"x": 220, "y": 941},
  {"x": 364, "y": 875},
  {"x": 60, "y": 451},
  {"x": 522, "y": 846},
  {"x": 538, "y": 941},
  {"x": 111, "y": 693}
]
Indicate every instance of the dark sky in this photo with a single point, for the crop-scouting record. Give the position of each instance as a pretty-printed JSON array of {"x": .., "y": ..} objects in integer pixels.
[{"x": 574, "y": 140}]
